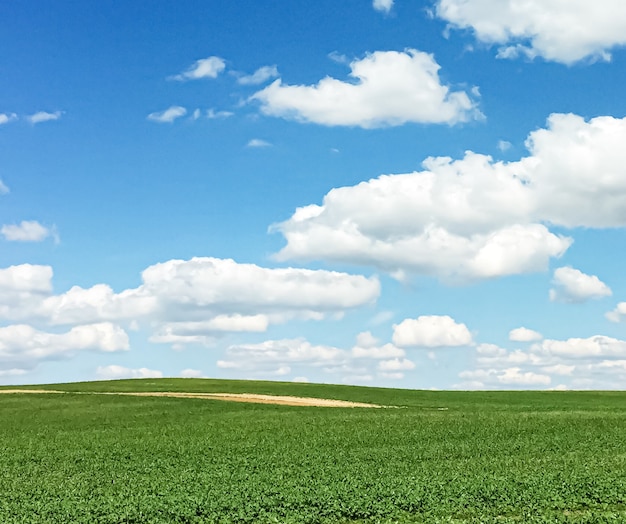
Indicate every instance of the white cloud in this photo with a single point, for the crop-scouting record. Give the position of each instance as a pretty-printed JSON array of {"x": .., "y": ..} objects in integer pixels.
[
  {"x": 167, "y": 116},
  {"x": 209, "y": 67},
  {"x": 523, "y": 334},
  {"x": 114, "y": 372},
  {"x": 261, "y": 75},
  {"x": 22, "y": 343},
  {"x": 501, "y": 378},
  {"x": 257, "y": 142},
  {"x": 597, "y": 362},
  {"x": 473, "y": 218},
  {"x": 504, "y": 145},
  {"x": 382, "y": 5},
  {"x": 276, "y": 355},
  {"x": 5, "y": 118},
  {"x": 189, "y": 301},
  {"x": 4, "y": 189},
  {"x": 212, "y": 114},
  {"x": 396, "y": 364},
  {"x": 43, "y": 116},
  {"x": 191, "y": 373},
  {"x": 391, "y": 89},
  {"x": 559, "y": 31},
  {"x": 572, "y": 285},
  {"x": 431, "y": 331},
  {"x": 26, "y": 231},
  {"x": 598, "y": 346},
  {"x": 618, "y": 314}
]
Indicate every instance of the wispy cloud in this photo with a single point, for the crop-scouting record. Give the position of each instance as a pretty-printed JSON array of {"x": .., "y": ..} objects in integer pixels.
[
  {"x": 383, "y": 5},
  {"x": 5, "y": 118},
  {"x": 44, "y": 116},
  {"x": 211, "y": 114},
  {"x": 4, "y": 189},
  {"x": 209, "y": 67},
  {"x": 257, "y": 142},
  {"x": 167, "y": 116},
  {"x": 27, "y": 231},
  {"x": 261, "y": 75}
]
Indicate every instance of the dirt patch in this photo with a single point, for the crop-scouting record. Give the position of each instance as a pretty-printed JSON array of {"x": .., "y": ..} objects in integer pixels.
[
  {"x": 230, "y": 397},
  {"x": 258, "y": 399}
]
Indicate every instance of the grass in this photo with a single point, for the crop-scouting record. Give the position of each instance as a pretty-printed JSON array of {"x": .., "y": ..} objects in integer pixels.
[{"x": 523, "y": 457}]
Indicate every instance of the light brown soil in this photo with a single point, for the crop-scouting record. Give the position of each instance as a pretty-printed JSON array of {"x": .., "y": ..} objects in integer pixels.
[
  {"x": 231, "y": 397},
  {"x": 259, "y": 399}
]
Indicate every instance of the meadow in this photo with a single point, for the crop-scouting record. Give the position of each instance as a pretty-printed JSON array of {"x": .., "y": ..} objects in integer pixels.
[{"x": 440, "y": 457}]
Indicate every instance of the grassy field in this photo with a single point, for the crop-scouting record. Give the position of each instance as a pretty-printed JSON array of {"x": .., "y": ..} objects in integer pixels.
[{"x": 498, "y": 457}]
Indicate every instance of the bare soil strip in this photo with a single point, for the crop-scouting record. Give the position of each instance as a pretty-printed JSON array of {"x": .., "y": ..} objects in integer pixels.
[
  {"x": 259, "y": 399},
  {"x": 231, "y": 397}
]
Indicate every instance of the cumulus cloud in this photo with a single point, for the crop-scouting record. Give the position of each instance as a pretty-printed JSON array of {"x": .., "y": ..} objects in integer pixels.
[
  {"x": 618, "y": 314},
  {"x": 559, "y": 31},
  {"x": 191, "y": 373},
  {"x": 387, "y": 88},
  {"x": 473, "y": 218},
  {"x": 209, "y": 67},
  {"x": 115, "y": 372},
  {"x": 23, "y": 344},
  {"x": 26, "y": 231},
  {"x": 5, "y": 118},
  {"x": 597, "y": 362},
  {"x": 260, "y": 76},
  {"x": 167, "y": 116},
  {"x": 258, "y": 142},
  {"x": 382, "y": 5},
  {"x": 431, "y": 331},
  {"x": 4, "y": 189},
  {"x": 188, "y": 301},
  {"x": 366, "y": 359},
  {"x": 572, "y": 285},
  {"x": 43, "y": 116},
  {"x": 523, "y": 334}
]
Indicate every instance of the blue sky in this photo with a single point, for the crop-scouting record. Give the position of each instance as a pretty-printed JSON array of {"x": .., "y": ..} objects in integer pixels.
[{"x": 390, "y": 193}]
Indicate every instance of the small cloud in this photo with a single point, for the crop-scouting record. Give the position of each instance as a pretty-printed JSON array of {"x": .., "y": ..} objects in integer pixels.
[
  {"x": 4, "y": 189},
  {"x": 504, "y": 145},
  {"x": 381, "y": 317},
  {"x": 261, "y": 75},
  {"x": 257, "y": 142},
  {"x": 383, "y": 6},
  {"x": 523, "y": 334},
  {"x": 43, "y": 116},
  {"x": 26, "y": 231},
  {"x": 167, "y": 116},
  {"x": 196, "y": 114},
  {"x": 191, "y": 373},
  {"x": 212, "y": 114},
  {"x": 209, "y": 67},
  {"x": 114, "y": 372},
  {"x": 5, "y": 118},
  {"x": 334, "y": 150},
  {"x": 574, "y": 286},
  {"x": 338, "y": 57}
]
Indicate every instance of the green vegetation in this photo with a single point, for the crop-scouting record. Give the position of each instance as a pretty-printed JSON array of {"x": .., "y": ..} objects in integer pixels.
[{"x": 453, "y": 457}]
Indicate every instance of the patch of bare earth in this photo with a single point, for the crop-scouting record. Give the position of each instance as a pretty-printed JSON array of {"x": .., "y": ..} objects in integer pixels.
[
  {"x": 260, "y": 399},
  {"x": 230, "y": 397}
]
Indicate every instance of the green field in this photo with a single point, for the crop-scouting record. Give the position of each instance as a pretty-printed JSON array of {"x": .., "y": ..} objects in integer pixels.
[{"x": 443, "y": 457}]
